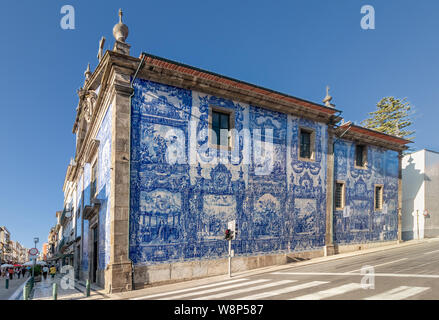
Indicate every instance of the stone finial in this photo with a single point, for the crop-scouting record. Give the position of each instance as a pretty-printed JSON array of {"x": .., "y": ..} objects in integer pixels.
[
  {"x": 120, "y": 30},
  {"x": 101, "y": 48},
  {"x": 328, "y": 98},
  {"x": 87, "y": 72}
]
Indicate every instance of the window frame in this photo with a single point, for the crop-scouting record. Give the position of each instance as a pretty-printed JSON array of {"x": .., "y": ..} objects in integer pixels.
[
  {"x": 375, "y": 197},
  {"x": 94, "y": 177},
  {"x": 231, "y": 138},
  {"x": 312, "y": 133},
  {"x": 343, "y": 195},
  {"x": 364, "y": 166}
]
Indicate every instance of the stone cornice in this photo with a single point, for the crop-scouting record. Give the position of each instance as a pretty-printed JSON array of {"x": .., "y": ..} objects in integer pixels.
[
  {"x": 69, "y": 174},
  {"x": 91, "y": 150}
]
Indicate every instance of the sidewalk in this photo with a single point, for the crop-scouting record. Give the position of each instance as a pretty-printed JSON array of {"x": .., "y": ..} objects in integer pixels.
[
  {"x": 14, "y": 284},
  {"x": 43, "y": 290}
]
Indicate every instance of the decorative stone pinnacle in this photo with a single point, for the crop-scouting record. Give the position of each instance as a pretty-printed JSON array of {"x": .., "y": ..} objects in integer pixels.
[
  {"x": 328, "y": 98},
  {"x": 87, "y": 72},
  {"x": 101, "y": 48},
  {"x": 120, "y": 30}
]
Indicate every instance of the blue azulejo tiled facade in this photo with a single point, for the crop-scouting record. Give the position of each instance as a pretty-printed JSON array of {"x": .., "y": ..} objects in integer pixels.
[
  {"x": 179, "y": 210},
  {"x": 360, "y": 222},
  {"x": 103, "y": 165}
]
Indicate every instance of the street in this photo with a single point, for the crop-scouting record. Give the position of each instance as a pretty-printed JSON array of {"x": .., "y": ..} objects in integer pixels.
[{"x": 409, "y": 272}]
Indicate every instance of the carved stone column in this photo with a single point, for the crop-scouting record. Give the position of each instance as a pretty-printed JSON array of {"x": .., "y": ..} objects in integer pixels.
[{"x": 118, "y": 276}]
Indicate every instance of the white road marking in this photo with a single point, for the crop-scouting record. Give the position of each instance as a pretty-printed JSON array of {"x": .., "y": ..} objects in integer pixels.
[
  {"x": 213, "y": 290},
  {"x": 330, "y": 292},
  {"x": 399, "y": 293},
  {"x": 394, "y": 275},
  {"x": 419, "y": 265},
  {"x": 230, "y": 293},
  {"x": 283, "y": 290},
  {"x": 189, "y": 289},
  {"x": 431, "y": 252},
  {"x": 382, "y": 264}
]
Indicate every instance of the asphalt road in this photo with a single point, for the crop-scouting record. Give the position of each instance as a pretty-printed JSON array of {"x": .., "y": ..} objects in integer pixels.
[{"x": 409, "y": 272}]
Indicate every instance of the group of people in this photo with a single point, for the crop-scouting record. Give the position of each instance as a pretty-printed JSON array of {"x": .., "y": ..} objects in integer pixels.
[
  {"x": 46, "y": 270},
  {"x": 15, "y": 272}
]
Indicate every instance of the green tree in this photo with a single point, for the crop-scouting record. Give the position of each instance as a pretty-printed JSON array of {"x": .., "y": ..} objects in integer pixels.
[{"x": 393, "y": 116}]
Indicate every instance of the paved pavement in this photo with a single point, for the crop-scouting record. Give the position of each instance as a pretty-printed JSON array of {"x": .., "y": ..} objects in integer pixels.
[
  {"x": 14, "y": 284},
  {"x": 403, "y": 272},
  {"x": 43, "y": 290}
]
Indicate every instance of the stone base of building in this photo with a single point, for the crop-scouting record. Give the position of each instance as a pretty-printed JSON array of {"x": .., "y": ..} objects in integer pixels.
[
  {"x": 329, "y": 250},
  {"x": 362, "y": 246},
  {"x": 146, "y": 276},
  {"x": 431, "y": 233},
  {"x": 118, "y": 277}
]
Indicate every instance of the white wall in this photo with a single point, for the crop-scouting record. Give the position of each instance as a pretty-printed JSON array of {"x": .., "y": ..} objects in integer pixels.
[
  {"x": 413, "y": 193},
  {"x": 432, "y": 193}
]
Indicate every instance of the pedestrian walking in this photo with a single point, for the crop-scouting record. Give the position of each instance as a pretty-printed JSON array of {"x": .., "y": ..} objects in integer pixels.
[
  {"x": 23, "y": 271},
  {"x": 52, "y": 271},
  {"x": 11, "y": 273},
  {"x": 45, "y": 271},
  {"x": 18, "y": 272}
]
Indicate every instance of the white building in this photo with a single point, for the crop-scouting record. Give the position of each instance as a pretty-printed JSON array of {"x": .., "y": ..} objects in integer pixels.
[{"x": 420, "y": 190}]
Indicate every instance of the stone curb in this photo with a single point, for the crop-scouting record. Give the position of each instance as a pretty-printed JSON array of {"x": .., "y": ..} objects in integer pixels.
[{"x": 16, "y": 294}]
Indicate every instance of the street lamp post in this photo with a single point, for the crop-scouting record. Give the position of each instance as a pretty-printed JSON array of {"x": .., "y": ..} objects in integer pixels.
[{"x": 35, "y": 258}]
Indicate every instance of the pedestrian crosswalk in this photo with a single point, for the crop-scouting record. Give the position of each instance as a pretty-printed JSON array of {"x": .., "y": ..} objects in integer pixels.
[
  {"x": 400, "y": 293},
  {"x": 324, "y": 294},
  {"x": 278, "y": 292},
  {"x": 290, "y": 289}
]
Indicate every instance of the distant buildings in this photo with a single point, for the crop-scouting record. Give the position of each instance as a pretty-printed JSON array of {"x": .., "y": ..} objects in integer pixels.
[
  {"x": 44, "y": 251},
  {"x": 62, "y": 240},
  {"x": 11, "y": 251},
  {"x": 5, "y": 241},
  {"x": 420, "y": 179}
]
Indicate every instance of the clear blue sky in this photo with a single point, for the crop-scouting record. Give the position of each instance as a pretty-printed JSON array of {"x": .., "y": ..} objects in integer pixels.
[{"x": 296, "y": 47}]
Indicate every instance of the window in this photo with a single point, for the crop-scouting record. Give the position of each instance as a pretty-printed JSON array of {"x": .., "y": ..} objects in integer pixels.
[
  {"x": 339, "y": 195},
  {"x": 378, "y": 197},
  {"x": 221, "y": 122},
  {"x": 306, "y": 144},
  {"x": 360, "y": 156},
  {"x": 93, "y": 184}
]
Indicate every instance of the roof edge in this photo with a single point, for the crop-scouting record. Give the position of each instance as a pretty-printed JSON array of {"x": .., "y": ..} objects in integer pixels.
[
  {"x": 328, "y": 109},
  {"x": 382, "y": 135}
]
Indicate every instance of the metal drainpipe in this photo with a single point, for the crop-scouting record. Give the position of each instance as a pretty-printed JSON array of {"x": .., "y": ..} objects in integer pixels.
[
  {"x": 129, "y": 164},
  {"x": 333, "y": 177}
]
